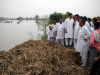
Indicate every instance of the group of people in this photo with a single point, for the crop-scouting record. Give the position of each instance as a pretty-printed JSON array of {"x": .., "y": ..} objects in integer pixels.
[{"x": 83, "y": 32}]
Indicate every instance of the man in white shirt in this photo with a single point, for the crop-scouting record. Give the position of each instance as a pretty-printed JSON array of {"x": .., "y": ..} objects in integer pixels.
[
  {"x": 92, "y": 24},
  {"x": 81, "y": 45},
  {"x": 86, "y": 22},
  {"x": 69, "y": 30},
  {"x": 50, "y": 34},
  {"x": 76, "y": 30},
  {"x": 54, "y": 29},
  {"x": 63, "y": 20},
  {"x": 88, "y": 26},
  {"x": 60, "y": 32},
  {"x": 91, "y": 28},
  {"x": 64, "y": 29}
]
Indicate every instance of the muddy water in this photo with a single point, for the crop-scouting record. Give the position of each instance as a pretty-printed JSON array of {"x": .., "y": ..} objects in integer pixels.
[{"x": 12, "y": 34}]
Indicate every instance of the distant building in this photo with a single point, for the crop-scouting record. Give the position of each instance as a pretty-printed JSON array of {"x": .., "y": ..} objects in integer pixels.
[{"x": 2, "y": 18}]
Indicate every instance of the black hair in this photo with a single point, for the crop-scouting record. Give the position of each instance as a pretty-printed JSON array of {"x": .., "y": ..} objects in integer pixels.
[
  {"x": 89, "y": 19},
  {"x": 85, "y": 18},
  {"x": 77, "y": 15},
  {"x": 83, "y": 21},
  {"x": 70, "y": 14},
  {"x": 97, "y": 25},
  {"x": 81, "y": 17},
  {"x": 94, "y": 19}
]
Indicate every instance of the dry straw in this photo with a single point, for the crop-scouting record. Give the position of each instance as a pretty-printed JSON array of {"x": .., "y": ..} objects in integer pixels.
[{"x": 40, "y": 58}]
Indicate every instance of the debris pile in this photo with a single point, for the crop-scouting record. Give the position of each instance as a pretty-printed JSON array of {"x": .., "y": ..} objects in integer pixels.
[{"x": 40, "y": 58}]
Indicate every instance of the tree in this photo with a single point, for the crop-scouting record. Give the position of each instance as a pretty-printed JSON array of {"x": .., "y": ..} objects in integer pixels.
[
  {"x": 56, "y": 16},
  {"x": 66, "y": 15},
  {"x": 42, "y": 26}
]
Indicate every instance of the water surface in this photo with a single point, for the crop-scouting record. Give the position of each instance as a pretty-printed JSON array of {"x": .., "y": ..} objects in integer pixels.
[{"x": 12, "y": 34}]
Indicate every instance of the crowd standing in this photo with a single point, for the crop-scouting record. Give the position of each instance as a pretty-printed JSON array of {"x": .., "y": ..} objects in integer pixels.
[{"x": 83, "y": 33}]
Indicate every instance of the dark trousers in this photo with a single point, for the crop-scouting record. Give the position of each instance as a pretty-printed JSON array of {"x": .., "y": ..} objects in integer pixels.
[
  {"x": 93, "y": 53},
  {"x": 95, "y": 67}
]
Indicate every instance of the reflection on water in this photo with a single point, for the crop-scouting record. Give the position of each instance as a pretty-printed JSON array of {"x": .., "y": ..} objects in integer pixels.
[{"x": 15, "y": 33}]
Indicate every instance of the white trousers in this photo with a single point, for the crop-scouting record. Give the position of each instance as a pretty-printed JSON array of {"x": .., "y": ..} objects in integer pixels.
[
  {"x": 68, "y": 42},
  {"x": 62, "y": 41},
  {"x": 54, "y": 35},
  {"x": 75, "y": 42},
  {"x": 88, "y": 44},
  {"x": 83, "y": 57}
]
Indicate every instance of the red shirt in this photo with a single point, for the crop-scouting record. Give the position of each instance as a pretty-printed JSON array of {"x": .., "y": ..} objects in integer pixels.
[{"x": 93, "y": 43}]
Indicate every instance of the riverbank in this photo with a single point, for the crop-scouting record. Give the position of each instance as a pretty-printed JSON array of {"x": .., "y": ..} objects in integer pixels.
[{"x": 41, "y": 58}]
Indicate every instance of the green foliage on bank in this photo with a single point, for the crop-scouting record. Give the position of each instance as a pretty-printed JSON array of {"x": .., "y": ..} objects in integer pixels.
[
  {"x": 56, "y": 16},
  {"x": 42, "y": 26},
  {"x": 44, "y": 37}
]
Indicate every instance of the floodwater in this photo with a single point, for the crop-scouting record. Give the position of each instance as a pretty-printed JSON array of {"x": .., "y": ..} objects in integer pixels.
[{"x": 12, "y": 34}]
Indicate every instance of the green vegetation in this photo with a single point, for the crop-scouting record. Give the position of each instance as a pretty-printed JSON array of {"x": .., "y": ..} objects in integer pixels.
[
  {"x": 56, "y": 16},
  {"x": 44, "y": 37},
  {"x": 42, "y": 26}
]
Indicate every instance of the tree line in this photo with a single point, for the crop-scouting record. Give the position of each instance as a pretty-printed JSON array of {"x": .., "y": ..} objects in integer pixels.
[{"x": 56, "y": 16}]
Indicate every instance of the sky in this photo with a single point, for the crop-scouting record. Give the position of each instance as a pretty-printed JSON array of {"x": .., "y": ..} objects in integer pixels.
[{"x": 29, "y": 8}]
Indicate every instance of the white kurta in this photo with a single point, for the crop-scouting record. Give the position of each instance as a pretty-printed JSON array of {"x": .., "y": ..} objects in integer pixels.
[
  {"x": 50, "y": 34},
  {"x": 64, "y": 24},
  {"x": 92, "y": 25},
  {"x": 87, "y": 25},
  {"x": 91, "y": 29},
  {"x": 69, "y": 27},
  {"x": 64, "y": 28},
  {"x": 81, "y": 45},
  {"x": 54, "y": 29},
  {"x": 76, "y": 30},
  {"x": 60, "y": 31}
]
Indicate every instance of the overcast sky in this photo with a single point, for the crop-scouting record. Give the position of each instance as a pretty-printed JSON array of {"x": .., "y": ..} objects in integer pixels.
[{"x": 29, "y": 8}]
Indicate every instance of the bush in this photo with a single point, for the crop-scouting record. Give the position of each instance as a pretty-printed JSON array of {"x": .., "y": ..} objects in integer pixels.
[
  {"x": 44, "y": 37},
  {"x": 56, "y": 16}
]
